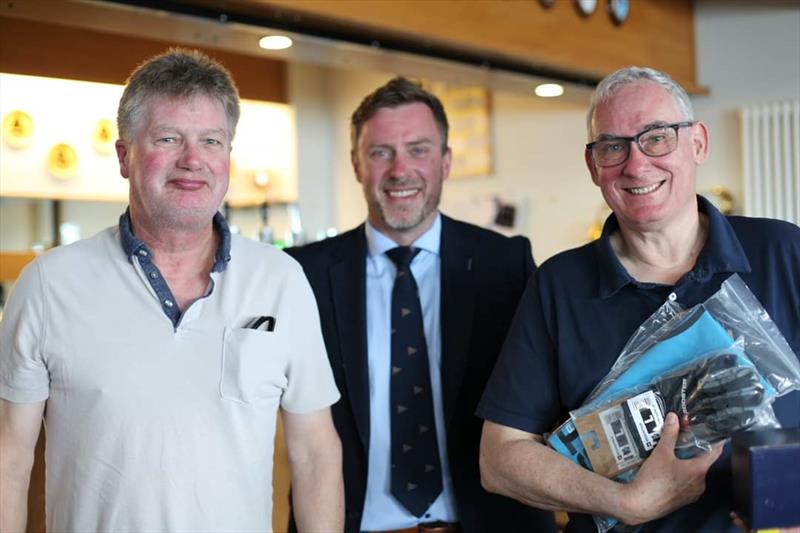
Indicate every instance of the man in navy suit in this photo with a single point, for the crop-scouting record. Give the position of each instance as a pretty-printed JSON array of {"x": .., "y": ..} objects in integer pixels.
[{"x": 469, "y": 280}]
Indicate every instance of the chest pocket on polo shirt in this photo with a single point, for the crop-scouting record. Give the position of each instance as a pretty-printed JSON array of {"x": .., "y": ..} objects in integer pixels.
[{"x": 253, "y": 365}]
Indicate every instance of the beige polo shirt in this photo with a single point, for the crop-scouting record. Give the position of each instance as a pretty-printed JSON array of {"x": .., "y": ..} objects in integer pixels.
[{"x": 152, "y": 427}]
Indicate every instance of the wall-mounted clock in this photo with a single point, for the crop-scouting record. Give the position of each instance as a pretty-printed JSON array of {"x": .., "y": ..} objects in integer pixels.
[
  {"x": 618, "y": 9},
  {"x": 586, "y": 7}
]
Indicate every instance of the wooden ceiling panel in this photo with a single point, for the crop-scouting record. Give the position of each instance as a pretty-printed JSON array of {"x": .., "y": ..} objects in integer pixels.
[
  {"x": 657, "y": 33},
  {"x": 52, "y": 50}
]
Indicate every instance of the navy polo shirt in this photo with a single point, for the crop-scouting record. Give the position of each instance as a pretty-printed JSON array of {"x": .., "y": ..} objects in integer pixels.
[{"x": 581, "y": 306}]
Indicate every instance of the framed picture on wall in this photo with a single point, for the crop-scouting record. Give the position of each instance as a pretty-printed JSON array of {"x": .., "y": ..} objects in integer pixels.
[{"x": 469, "y": 114}]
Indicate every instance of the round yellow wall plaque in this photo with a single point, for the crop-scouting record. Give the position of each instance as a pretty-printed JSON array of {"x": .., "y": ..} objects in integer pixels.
[
  {"x": 62, "y": 161},
  {"x": 18, "y": 129},
  {"x": 104, "y": 136}
]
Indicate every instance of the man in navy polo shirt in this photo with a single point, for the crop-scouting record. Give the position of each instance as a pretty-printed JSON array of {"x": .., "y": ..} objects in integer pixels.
[{"x": 661, "y": 242}]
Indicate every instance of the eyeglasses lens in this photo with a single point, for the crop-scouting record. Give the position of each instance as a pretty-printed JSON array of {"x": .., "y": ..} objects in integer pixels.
[
  {"x": 660, "y": 141},
  {"x": 655, "y": 143},
  {"x": 611, "y": 152}
]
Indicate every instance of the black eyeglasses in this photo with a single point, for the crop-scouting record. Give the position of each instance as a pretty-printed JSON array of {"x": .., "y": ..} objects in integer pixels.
[{"x": 656, "y": 141}]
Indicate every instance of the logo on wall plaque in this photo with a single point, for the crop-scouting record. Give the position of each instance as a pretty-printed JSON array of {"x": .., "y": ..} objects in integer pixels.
[
  {"x": 62, "y": 161},
  {"x": 18, "y": 129},
  {"x": 104, "y": 135}
]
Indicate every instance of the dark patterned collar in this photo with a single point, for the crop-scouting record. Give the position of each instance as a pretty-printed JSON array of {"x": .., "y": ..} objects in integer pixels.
[{"x": 132, "y": 246}]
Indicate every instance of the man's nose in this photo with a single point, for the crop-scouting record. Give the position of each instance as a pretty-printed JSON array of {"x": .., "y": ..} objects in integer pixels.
[
  {"x": 190, "y": 157},
  {"x": 399, "y": 166},
  {"x": 637, "y": 161}
]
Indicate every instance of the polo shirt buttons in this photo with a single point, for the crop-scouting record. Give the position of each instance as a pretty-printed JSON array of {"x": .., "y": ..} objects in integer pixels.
[
  {"x": 143, "y": 252},
  {"x": 168, "y": 303},
  {"x": 672, "y": 297},
  {"x": 153, "y": 275}
]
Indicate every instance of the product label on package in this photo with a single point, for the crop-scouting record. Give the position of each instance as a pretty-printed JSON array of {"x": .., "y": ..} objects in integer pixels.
[
  {"x": 645, "y": 413},
  {"x": 619, "y": 437}
]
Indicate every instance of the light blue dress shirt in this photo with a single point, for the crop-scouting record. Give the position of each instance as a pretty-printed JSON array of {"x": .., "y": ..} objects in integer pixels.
[{"x": 381, "y": 509}]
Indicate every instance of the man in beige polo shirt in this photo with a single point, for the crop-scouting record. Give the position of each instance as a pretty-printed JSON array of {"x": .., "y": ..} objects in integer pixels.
[{"x": 160, "y": 350}]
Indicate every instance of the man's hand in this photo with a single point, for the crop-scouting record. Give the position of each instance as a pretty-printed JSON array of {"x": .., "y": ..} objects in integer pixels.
[
  {"x": 665, "y": 483},
  {"x": 519, "y": 465}
]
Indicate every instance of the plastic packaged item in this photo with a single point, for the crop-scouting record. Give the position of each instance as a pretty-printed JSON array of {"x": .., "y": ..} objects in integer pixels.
[
  {"x": 720, "y": 365},
  {"x": 675, "y": 341},
  {"x": 714, "y": 396}
]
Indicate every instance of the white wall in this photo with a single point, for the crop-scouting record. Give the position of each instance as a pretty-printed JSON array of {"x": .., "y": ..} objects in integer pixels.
[
  {"x": 748, "y": 52},
  {"x": 539, "y": 166}
]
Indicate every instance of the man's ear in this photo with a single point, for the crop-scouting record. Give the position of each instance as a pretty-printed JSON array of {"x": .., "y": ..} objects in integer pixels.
[
  {"x": 700, "y": 146},
  {"x": 587, "y": 157},
  {"x": 447, "y": 160},
  {"x": 122, "y": 156},
  {"x": 354, "y": 163}
]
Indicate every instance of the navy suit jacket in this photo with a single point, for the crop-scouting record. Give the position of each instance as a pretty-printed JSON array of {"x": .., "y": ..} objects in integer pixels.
[{"x": 483, "y": 275}]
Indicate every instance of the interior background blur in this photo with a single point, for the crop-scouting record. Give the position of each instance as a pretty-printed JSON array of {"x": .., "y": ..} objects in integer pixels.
[{"x": 732, "y": 53}]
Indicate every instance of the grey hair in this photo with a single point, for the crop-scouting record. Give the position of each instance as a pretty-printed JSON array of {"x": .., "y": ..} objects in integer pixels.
[
  {"x": 181, "y": 74},
  {"x": 615, "y": 81}
]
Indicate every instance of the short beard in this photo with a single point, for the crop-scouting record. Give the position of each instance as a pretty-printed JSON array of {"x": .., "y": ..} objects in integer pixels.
[
  {"x": 404, "y": 220},
  {"x": 401, "y": 223}
]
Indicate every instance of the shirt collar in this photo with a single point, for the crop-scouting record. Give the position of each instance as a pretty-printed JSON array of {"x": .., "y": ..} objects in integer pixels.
[
  {"x": 722, "y": 252},
  {"x": 131, "y": 245},
  {"x": 378, "y": 243}
]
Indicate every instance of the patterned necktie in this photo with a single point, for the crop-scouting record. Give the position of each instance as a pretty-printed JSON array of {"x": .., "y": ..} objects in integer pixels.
[{"x": 416, "y": 471}]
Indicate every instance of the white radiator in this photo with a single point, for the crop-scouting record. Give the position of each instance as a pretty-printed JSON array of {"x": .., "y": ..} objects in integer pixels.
[{"x": 771, "y": 160}]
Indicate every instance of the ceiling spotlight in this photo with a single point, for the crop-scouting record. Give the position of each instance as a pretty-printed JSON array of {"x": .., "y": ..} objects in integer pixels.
[
  {"x": 549, "y": 90},
  {"x": 275, "y": 42}
]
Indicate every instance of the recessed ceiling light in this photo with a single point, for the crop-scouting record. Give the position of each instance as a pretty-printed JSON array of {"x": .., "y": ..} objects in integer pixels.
[
  {"x": 275, "y": 42},
  {"x": 549, "y": 90}
]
